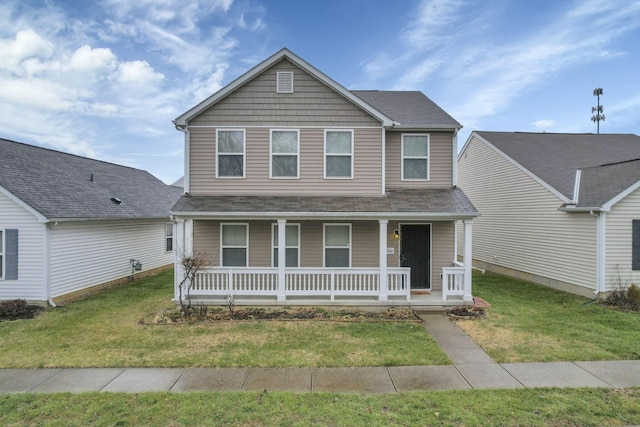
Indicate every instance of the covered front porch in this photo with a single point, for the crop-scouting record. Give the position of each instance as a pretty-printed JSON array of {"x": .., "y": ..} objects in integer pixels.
[
  {"x": 399, "y": 248},
  {"x": 387, "y": 283}
]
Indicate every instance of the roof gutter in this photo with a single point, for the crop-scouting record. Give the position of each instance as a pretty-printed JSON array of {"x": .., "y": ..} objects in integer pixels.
[{"x": 330, "y": 215}]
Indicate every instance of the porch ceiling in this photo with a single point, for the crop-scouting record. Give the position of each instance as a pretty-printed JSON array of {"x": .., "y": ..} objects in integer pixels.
[{"x": 443, "y": 204}]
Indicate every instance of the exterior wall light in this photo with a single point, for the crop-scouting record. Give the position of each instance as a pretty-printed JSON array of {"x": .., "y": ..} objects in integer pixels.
[{"x": 396, "y": 234}]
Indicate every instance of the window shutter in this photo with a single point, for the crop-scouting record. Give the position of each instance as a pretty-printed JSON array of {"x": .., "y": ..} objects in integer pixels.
[
  {"x": 11, "y": 261},
  {"x": 635, "y": 252},
  {"x": 284, "y": 82}
]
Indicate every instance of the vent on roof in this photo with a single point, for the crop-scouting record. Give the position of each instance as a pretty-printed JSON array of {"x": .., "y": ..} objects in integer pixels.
[
  {"x": 116, "y": 200},
  {"x": 284, "y": 82}
]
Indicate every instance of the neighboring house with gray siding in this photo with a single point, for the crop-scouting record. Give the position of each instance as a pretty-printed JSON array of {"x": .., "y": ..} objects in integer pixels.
[
  {"x": 355, "y": 190},
  {"x": 70, "y": 225},
  {"x": 559, "y": 209}
]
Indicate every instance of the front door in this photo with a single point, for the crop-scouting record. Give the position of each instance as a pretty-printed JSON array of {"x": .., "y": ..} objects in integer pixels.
[{"x": 415, "y": 252}]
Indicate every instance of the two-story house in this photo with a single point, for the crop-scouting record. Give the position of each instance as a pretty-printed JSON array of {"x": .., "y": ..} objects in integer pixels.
[{"x": 300, "y": 190}]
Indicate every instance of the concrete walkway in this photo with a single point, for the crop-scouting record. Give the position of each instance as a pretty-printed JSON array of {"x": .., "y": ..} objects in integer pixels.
[{"x": 471, "y": 369}]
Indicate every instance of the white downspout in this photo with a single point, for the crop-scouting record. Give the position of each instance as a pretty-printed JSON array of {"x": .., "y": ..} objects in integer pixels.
[
  {"x": 47, "y": 262},
  {"x": 454, "y": 157},
  {"x": 601, "y": 251},
  {"x": 384, "y": 161}
]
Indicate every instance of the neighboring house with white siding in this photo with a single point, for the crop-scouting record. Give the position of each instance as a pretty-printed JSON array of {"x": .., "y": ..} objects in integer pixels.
[
  {"x": 562, "y": 210},
  {"x": 70, "y": 225},
  {"x": 355, "y": 190}
]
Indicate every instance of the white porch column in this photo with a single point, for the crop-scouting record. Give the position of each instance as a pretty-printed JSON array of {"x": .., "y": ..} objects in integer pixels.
[
  {"x": 178, "y": 271},
  {"x": 468, "y": 261},
  {"x": 384, "y": 292},
  {"x": 282, "y": 259}
]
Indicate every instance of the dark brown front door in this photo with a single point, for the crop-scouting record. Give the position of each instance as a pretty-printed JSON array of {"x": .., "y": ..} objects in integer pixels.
[{"x": 415, "y": 252}]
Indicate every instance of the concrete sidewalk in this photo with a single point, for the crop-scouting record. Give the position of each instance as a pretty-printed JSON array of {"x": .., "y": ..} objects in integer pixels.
[{"x": 471, "y": 369}]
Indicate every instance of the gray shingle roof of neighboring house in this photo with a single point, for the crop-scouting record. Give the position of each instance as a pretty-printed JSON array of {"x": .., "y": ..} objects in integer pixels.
[
  {"x": 608, "y": 161},
  {"x": 59, "y": 185},
  {"x": 430, "y": 202},
  {"x": 409, "y": 108}
]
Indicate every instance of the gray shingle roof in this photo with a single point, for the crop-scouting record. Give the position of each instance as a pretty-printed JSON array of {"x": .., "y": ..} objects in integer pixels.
[
  {"x": 554, "y": 158},
  {"x": 430, "y": 202},
  {"x": 409, "y": 108},
  {"x": 59, "y": 186}
]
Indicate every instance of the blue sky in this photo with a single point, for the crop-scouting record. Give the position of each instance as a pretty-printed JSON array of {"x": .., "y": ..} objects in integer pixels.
[{"x": 104, "y": 79}]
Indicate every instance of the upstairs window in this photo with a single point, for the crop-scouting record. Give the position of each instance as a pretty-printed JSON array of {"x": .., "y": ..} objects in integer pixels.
[
  {"x": 337, "y": 245},
  {"x": 415, "y": 157},
  {"x": 234, "y": 244},
  {"x": 285, "y": 146},
  {"x": 284, "y": 82},
  {"x": 230, "y": 151},
  {"x": 338, "y": 148},
  {"x": 292, "y": 245}
]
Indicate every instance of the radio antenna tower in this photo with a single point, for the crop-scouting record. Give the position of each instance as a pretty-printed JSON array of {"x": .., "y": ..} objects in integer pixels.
[{"x": 599, "y": 110}]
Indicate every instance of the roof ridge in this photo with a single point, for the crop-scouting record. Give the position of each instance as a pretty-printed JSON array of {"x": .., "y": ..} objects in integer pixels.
[
  {"x": 619, "y": 163},
  {"x": 54, "y": 151}
]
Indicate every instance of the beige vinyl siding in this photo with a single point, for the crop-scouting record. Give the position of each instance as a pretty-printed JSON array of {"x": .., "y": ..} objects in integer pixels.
[
  {"x": 91, "y": 253},
  {"x": 619, "y": 240},
  {"x": 312, "y": 103},
  {"x": 520, "y": 227},
  {"x": 364, "y": 245},
  {"x": 367, "y": 175},
  {"x": 31, "y": 253},
  {"x": 440, "y": 158}
]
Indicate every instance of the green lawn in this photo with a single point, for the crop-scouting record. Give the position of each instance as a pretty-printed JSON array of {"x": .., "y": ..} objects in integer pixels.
[
  {"x": 532, "y": 323},
  {"x": 530, "y": 407},
  {"x": 104, "y": 331}
]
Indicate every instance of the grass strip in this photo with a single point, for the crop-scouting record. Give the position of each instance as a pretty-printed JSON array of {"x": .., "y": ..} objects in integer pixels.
[{"x": 531, "y": 407}]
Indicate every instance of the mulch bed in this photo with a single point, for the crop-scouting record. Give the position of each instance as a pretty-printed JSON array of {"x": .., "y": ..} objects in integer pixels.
[
  {"x": 18, "y": 309},
  {"x": 477, "y": 311},
  {"x": 252, "y": 313}
]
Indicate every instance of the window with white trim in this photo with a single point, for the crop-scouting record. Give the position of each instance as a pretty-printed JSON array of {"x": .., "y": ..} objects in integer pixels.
[
  {"x": 337, "y": 245},
  {"x": 234, "y": 245},
  {"x": 230, "y": 153},
  {"x": 415, "y": 157},
  {"x": 338, "y": 149},
  {"x": 168, "y": 237},
  {"x": 292, "y": 245},
  {"x": 285, "y": 146}
]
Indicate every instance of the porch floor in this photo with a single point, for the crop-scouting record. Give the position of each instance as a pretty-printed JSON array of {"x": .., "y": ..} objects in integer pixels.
[{"x": 419, "y": 302}]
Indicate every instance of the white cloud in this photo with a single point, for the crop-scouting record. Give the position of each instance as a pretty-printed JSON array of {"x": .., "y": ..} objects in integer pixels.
[
  {"x": 544, "y": 124},
  {"x": 88, "y": 60},
  {"x": 26, "y": 44},
  {"x": 138, "y": 73}
]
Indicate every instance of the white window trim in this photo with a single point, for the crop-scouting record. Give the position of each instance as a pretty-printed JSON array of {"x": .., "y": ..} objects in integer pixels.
[
  {"x": 244, "y": 153},
  {"x": 3, "y": 250},
  {"x": 173, "y": 237},
  {"x": 282, "y": 73},
  {"x": 222, "y": 246},
  {"x": 352, "y": 155},
  {"x": 428, "y": 158},
  {"x": 297, "y": 154},
  {"x": 274, "y": 231},
  {"x": 324, "y": 242}
]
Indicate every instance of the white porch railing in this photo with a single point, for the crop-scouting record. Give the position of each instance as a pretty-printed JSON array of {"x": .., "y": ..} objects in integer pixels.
[
  {"x": 313, "y": 282},
  {"x": 452, "y": 282}
]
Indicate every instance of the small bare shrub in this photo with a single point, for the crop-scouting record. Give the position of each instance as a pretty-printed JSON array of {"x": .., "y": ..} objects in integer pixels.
[{"x": 633, "y": 296}]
